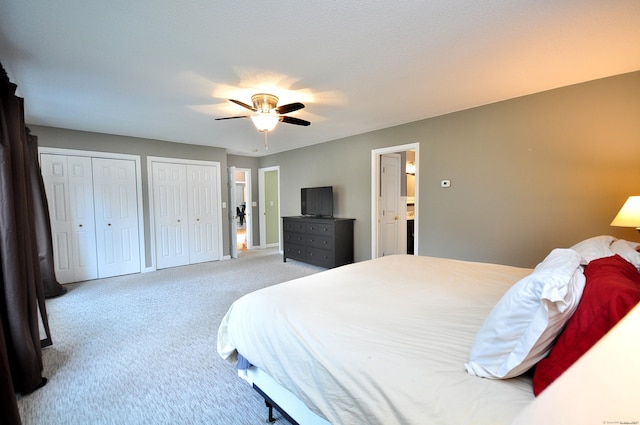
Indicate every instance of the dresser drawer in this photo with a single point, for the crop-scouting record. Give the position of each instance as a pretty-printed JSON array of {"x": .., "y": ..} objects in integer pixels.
[
  {"x": 320, "y": 228},
  {"x": 294, "y": 226},
  {"x": 320, "y": 241},
  {"x": 293, "y": 237},
  {"x": 295, "y": 251},
  {"x": 320, "y": 257}
]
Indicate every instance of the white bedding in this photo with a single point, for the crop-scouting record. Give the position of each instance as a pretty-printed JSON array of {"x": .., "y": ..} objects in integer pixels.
[{"x": 381, "y": 341}]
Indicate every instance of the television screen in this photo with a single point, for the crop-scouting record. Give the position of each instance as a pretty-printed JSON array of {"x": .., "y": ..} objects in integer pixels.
[{"x": 317, "y": 201}]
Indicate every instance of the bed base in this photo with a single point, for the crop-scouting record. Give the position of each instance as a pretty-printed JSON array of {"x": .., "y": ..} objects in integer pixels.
[
  {"x": 280, "y": 398},
  {"x": 271, "y": 405}
]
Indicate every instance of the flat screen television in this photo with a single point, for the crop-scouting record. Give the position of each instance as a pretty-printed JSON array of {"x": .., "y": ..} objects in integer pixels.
[{"x": 317, "y": 201}]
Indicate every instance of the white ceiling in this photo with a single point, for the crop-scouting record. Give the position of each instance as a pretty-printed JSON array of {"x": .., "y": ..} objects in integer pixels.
[{"x": 164, "y": 69}]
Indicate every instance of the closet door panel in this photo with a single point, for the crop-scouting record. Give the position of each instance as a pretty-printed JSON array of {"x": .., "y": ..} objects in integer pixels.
[
  {"x": 170, "y": 214},
  {"x": 68, "y": 186},
  {"x": 116, "y": 216},
  {"x": 202, "y": 183},
  {"x": 83, "y": 227},
  {"x": 56, "y": 183}
]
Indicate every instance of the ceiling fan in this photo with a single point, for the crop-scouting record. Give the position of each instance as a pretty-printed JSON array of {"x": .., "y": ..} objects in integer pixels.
[{"x": 267, "y": 113}]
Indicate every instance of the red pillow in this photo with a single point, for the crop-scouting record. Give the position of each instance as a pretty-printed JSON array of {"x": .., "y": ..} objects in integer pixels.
[{"x": 612, "y": 289}]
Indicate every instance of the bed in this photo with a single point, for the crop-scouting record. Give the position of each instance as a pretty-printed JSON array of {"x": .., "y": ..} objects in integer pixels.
[{"x": 388, "y": 341}]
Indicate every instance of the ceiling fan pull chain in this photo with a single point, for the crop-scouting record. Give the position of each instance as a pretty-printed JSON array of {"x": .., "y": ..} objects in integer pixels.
[{"x": 266, "y": 141}]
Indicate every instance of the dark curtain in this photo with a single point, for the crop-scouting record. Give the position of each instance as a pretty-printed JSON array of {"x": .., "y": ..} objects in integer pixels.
[
  {"x": 52, "y": 287},
  {"x": 22, "y": 306}
]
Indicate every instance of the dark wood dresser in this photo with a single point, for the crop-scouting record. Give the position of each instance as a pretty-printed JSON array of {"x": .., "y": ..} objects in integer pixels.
[{"x": 324, "y": 242}]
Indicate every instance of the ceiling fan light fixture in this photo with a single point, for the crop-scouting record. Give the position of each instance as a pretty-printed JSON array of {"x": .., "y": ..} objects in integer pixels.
[
  {"x": 267, "y": 113},
  {"x": 263, "y": 102},
  {"x": 265, "y": 121}
]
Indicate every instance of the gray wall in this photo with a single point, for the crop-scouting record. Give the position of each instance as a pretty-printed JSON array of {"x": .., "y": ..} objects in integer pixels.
[
  {"x": 528, "y": 174},
  {"x": 70, "y": 139}
]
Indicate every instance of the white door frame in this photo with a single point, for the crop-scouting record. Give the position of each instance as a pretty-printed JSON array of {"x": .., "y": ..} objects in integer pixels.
[
  {"x": 262, "y": 206},
  {"x": 218, "y": 201},
  {"x": 375, "y": 189},
  {"x": 248, "y": 214},
  {"x": 233, "y": 226},
  {"x": 111, "y": 155}
]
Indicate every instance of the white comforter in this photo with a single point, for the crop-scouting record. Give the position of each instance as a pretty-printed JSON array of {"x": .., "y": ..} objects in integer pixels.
[{"x": 381, "y": 341}]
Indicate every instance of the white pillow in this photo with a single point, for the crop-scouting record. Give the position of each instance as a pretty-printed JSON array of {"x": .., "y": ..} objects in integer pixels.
[
  {"x": 627, "y": 250},
  {"x": 594, "y": 248},
  {"x": 522, "y": 327}
]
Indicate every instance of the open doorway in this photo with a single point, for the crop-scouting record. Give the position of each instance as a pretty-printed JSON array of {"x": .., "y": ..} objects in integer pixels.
[
  {"x": 394, "y": 200},
  {"x": 243, "y": 216}
]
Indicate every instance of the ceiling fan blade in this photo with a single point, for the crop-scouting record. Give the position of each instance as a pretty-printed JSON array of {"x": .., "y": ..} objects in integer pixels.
[
  {"x": 285, "y": 109},
  {"x": 293, "y": 120},
  {"x": 244, "y": 105},
  {"x": 232, "y": 118}
]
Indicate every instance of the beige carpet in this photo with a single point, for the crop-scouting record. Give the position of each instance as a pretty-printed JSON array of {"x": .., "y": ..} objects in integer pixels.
[{"x": 141, "y": 349}]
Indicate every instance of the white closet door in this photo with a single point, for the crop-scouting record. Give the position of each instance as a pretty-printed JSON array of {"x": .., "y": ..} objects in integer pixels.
[
  {"x": 116, "y": 214},
  {"x": 202, "y": 183},
  {"x": 170, "y": 214},
  {"x": 69, "y": 191}
]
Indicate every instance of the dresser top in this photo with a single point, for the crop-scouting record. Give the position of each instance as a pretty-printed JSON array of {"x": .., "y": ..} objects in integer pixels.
[{"x": 314, "y": 218}]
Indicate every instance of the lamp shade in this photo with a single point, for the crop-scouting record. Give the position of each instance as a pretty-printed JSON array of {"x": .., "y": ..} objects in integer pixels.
[
  {"x": 265, "y": 121},
  {"x": 629, "y": 214}
]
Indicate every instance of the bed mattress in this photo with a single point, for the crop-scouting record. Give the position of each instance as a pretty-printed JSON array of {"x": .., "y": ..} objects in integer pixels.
[{"x": 381, "y": 341}]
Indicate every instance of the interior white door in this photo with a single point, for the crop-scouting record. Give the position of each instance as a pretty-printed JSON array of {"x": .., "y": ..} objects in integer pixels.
[
  {"x": 116, "y": 216},
  {"x": 170, "y": 214},
  {"x": 69, "y": 190},
  {"x": 389, "y": 202},
  {"x": 202, "y": 183},
  {"x": 269, "y": 200}
]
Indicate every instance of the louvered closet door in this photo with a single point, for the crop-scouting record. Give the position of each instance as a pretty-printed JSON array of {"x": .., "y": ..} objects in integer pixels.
[
  {"x": 170, "y": 214},
  {"x": 202, "y": 183},
  {"x": 116, "y": 215},
  {"x": 68, "y": 186}
]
